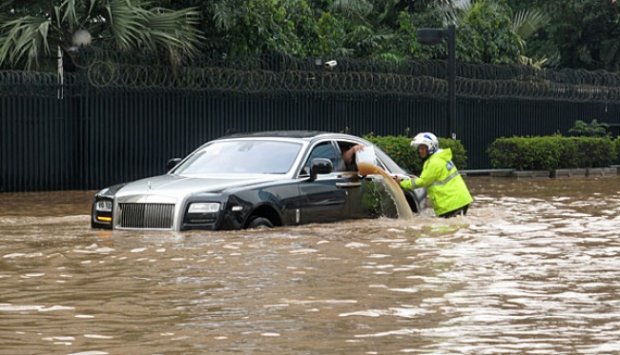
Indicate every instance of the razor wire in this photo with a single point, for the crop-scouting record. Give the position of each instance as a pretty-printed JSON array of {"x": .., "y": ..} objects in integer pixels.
[
  {"x": 22, "y": 83},
  {"x": 532, "y": 85},
  {"x": 281, "y": 75},
  {"x": 105, "y": 75}
]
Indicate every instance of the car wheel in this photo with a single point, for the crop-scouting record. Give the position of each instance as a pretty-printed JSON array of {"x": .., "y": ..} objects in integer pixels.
[{"x": 260, "y": 222}]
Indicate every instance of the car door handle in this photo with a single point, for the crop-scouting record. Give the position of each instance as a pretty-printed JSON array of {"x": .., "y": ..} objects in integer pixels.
[{"x": 348, "y": 184}]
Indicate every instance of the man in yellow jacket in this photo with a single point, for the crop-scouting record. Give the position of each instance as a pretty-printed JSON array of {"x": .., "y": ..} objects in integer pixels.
[{"x": 444, "y": 185}]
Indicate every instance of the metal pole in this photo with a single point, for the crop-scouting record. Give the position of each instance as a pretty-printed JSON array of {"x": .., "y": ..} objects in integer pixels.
[{"x": 451, "y": 82}]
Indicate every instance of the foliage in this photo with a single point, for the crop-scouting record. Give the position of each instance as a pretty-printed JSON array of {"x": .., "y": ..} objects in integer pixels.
[
  {"x": 254, "y": 27},
  {"x": 28, "y": 35},
  {"x": 617, "y": 141},
  {"x": 593, "y": 129},
  {"x": 551, "y": 152},
  {"x": 525, "y": 24},
  {"x": 586, "y": 33},
  {"x": 459, "y": 154},
  {"x": 595, "y": 152},
  {"x": 399, "y": 149},
  {"x": 485, "y": 34},
  {"x": 580, "y": 34},
  {"x": 377, "y": 200},
  {"x": 570, "y": 33}
]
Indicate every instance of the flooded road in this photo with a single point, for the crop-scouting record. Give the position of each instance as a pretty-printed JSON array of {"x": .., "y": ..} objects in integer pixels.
[{"x": 533, "y": 269}]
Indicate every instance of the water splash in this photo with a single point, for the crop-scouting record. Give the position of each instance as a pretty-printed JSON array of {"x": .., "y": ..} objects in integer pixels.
[{"x": 397, "y": 195}]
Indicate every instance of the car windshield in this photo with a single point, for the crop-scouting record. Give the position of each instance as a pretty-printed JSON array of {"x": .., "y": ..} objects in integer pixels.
[{"x": 242, "y": 157}]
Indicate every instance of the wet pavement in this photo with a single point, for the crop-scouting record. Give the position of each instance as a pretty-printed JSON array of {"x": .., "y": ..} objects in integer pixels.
[{"x": 533, "y": 269}]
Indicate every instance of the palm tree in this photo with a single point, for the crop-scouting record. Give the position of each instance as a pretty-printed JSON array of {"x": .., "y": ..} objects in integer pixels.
[
  {"x": 28, "y": 36},
  {"x": 525, "y": 23},
  {"x": 372, "y": 26}
]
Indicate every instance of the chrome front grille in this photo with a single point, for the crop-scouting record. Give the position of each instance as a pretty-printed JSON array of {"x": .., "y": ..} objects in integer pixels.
[{"x": 146, "y": 215}]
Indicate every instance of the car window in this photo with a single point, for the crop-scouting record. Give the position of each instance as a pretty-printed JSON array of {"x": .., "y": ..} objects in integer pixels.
[
  {"x": 242, "y": 157},
  {"x": 323, "y": 150},
  {"x": 344, "y": 146},
  {"x": 383, "y": 161}
]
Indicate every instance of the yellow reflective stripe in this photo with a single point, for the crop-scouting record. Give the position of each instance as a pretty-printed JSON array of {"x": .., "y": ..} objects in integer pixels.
[{"x": 446, "y": 180}]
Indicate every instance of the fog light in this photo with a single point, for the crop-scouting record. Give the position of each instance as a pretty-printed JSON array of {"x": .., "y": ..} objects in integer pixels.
[
  {"x": 210, "y": 207},
  {"x": 104, "y": 206}
]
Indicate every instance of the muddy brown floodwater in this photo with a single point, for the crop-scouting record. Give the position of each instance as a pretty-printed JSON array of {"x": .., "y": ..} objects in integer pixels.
[{"x": 533, "y": 269}]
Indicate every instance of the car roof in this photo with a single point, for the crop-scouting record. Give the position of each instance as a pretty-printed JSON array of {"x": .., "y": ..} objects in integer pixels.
[{"x": 297, "y": 134}]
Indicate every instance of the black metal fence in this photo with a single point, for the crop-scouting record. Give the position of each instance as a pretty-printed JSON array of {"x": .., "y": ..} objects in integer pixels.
[{"x": 112, "y": 122}]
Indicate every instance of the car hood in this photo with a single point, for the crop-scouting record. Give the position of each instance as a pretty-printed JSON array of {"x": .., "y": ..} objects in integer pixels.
[{"x": 176, "y": 186}]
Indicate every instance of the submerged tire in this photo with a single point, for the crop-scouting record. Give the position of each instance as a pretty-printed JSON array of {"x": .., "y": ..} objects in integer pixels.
[{"x": 260, "y": 222}]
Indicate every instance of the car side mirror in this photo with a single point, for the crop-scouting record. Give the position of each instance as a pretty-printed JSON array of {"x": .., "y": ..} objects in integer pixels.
[
  {"x": 172, "y": 163},
  {"x": 320, "y": 166}
]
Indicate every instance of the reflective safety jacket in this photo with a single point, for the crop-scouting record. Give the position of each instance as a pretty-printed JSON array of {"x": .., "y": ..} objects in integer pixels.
[{"x": 444, "y": 185}]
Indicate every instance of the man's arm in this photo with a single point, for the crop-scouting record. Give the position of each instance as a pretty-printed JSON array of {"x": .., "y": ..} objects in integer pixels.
[
  {"x": 429, "y": 175},
  {"x": 347, "y": 156},
  {"x": 406, "y": 182}
]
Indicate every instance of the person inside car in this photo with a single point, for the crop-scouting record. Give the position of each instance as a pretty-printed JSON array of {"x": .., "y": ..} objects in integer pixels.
[
  {"x": 444, "y": 185},
  {"x": 348, "y": 158}
]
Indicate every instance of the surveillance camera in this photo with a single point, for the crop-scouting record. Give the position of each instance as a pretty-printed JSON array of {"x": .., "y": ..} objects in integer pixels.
[{"x": 331, "y": 64}]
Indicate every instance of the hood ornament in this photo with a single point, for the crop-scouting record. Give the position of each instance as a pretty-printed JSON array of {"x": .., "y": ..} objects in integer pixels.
[{"x": 148, "y": 183}]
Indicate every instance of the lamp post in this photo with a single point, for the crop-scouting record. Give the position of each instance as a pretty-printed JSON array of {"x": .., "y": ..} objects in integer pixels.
[
  {"x": 433, "y": 36},
  {"x": 79, "y": 39}
]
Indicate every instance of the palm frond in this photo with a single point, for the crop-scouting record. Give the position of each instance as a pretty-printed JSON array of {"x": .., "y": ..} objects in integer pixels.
[
  {"x": 174, "y": 31},
  {"x": 527, "y": 22},
  {"x": 126, "y": 24},
  {"x": 120, "y": 24},
  {"x": 24, "y": 39},
  {"x": 455, "y": 11},
  {"x": 537, "y": 63},
  {"x": 69, "y": 10}
]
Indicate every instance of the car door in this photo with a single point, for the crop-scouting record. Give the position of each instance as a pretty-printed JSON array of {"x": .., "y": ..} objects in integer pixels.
[
  {"x": 352, "y": 184},
  {"x": 323, "y": 199},
  {"x": 416, "y": 198}
]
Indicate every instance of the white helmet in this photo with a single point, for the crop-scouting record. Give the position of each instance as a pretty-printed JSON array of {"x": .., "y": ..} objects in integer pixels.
[{"x": 428, "y": 139}]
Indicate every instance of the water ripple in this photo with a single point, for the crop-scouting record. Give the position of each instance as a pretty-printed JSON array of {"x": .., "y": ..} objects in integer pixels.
[{"x": 532, "y": 269}]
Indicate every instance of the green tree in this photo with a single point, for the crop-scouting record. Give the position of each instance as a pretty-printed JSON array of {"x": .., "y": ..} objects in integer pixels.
[
  {"x": 371, "y": 27},
  {"x": 252, "y": 27},
  {"x": 485, "y": 33},
  {"x": 580, "y": 33},
  {"x": 592, "y": 129},
  {"x": 525, "y": 24},
  {"x": 33, "y": 31},
  {"x": 586, "y": 33}
]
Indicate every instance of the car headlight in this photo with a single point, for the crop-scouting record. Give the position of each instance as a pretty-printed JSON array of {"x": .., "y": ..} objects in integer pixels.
[
  {"x": 104, "y": 206},
  {"x": 204, "y": 207}
]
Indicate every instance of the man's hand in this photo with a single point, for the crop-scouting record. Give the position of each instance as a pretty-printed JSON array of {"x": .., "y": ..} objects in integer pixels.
[{"x": 399, "y": 177}]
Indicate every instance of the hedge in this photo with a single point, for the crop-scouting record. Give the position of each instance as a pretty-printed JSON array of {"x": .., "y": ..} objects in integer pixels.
[
  {"x": 399, "y": 149},
  {"x": 553, "y": 152},
  {"x": 617, "y": 150}
]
